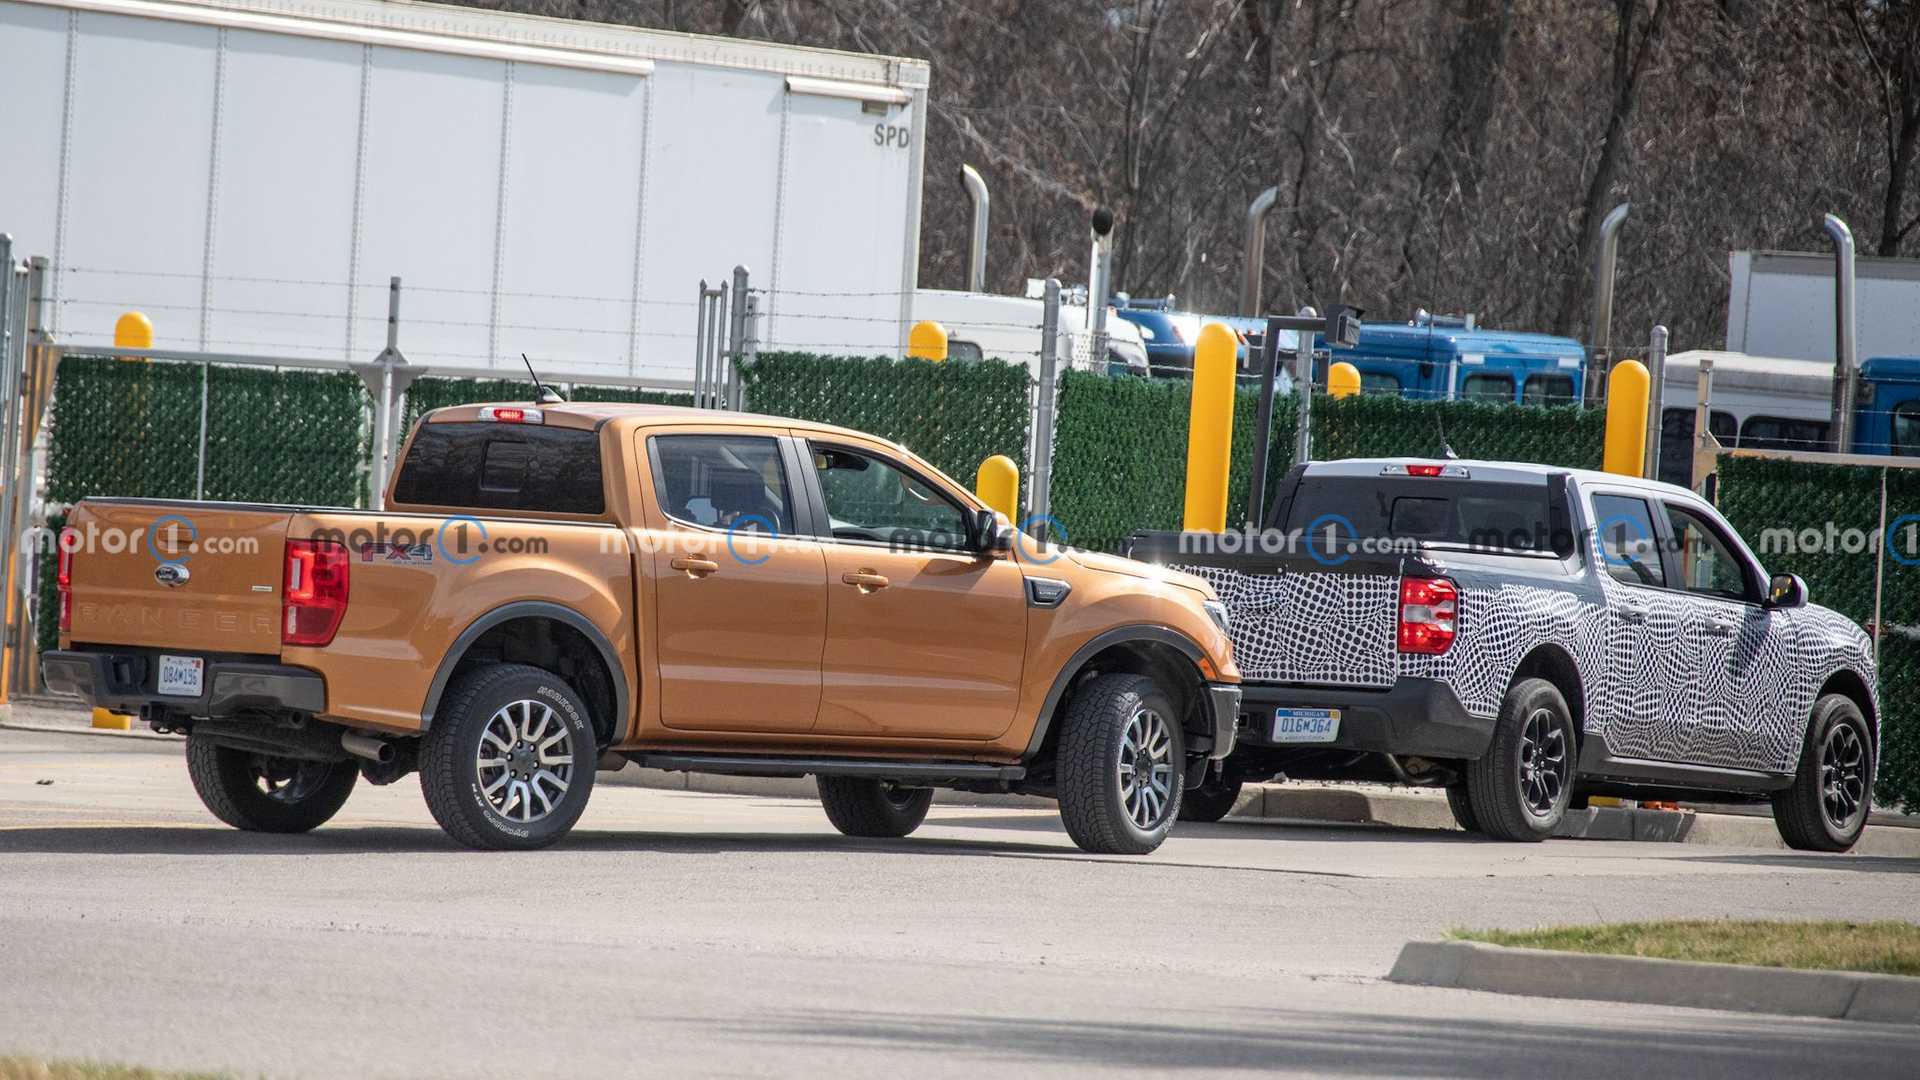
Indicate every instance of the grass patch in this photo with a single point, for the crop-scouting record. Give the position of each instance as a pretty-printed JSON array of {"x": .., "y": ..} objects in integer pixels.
[
  {"x": 1887, "y": 948},
  {"x": 23, "y": 1068}
]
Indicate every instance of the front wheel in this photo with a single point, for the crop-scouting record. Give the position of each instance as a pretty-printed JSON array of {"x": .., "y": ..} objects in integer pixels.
[
  {"x": 261, "y": 793},
  {"x": 509, "y": 761},
  {"x": 1120, "y": 765},
  {"x": 1826, "y": 808},
  {"x": 1519, "y": 789}
]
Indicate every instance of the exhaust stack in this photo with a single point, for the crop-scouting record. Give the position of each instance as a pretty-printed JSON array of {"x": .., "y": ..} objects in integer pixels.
[
  {"x": 1600, "y": 359},
  {"x": 1846, "y": 359},
  {"x": 1256, "y": 250},
  {"x": 977, "y": 248},
  {"x": 378, "y": 751}
]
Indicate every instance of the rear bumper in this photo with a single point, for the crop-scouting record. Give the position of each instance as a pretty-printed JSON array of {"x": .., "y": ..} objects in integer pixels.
[
  {"x": 124, "y": 681},
  {"x": 1419, "y": 717}
]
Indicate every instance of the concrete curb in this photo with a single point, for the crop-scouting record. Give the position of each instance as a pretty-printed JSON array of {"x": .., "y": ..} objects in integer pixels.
[{"x": 1834, "y": 995}]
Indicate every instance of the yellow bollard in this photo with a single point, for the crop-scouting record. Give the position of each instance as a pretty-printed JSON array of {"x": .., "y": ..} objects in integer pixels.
[
  {"x": 1210, "y": 430},
  {"x": 998, "y": 484},
  {"x": 1627, "y": 389},
  {"x": 927, "y": 341},
  {"x": 1343, "y": 380},
  {"x": 133, "y": 331}
]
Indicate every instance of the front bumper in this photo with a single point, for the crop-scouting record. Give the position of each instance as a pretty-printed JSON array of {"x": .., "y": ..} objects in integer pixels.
[
  {"x": 125, "y": 680},
  {"x": 1417, "y": 717},
  {"x": 1223, "y": 701}
]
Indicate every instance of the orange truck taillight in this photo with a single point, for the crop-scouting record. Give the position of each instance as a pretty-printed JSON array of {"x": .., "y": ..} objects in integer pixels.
[
  {"x": 63, "y": 576},
  {"x": 1429, "y": 615},
  {"x": 313, "y": 599}
]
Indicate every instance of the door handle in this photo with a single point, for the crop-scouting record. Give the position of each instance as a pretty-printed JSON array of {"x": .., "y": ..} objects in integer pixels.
[
  {"x": 866, "y": 580},
  {"x": 1720, "y": 629},
  {"x": 1633, "y": 613},
  {"x": 694, "y": 565}
]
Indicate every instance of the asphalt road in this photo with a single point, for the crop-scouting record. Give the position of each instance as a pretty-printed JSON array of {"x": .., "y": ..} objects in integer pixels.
[{"x": 690, "y": 934}]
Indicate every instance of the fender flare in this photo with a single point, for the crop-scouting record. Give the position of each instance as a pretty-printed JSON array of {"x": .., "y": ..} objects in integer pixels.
[
  {"x": 1119, "y": 635},
  {"x": 532, "y": 609}
]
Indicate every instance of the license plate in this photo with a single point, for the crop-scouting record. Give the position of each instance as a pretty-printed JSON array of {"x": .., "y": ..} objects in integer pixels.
[
  {"x": 1306, "y": 725},
  {"x": 181, "y": 676}
]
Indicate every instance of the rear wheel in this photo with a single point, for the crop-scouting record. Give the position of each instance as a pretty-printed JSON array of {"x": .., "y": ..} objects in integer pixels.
[
  {"x": 509, "y": 761},
  {"x": 261, "y": 793},
  {"x": 1120, "y": 766},
  {"x": 1519, "y": 789},
  {"x": 861, "y": 807},
  {"x": 1826, "y": 808},
  {"x": 1210, "y": 801}
]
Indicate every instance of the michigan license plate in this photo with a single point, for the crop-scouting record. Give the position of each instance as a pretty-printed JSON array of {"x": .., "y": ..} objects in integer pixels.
[
  {"x": 181, "y": 676},
  {"x": 1306, "y": 725}
]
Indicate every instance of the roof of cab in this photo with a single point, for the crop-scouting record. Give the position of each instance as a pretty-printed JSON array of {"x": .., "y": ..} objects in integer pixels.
[
  {"x": 1500, "y": 472},
  {"x": 592, "y": 414}
]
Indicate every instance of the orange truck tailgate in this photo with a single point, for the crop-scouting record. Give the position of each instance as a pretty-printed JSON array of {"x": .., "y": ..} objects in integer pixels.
[{"x": 221, "y": 595}]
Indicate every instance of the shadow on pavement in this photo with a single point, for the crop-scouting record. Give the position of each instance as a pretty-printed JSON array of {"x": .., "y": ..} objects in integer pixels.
[
  {"x": 1333, "y": 1043},
  {"x": 1861, "y": 864}
]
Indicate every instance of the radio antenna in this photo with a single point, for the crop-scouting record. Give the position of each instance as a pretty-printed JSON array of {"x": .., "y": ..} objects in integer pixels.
[{"x": 542, "y": 393}]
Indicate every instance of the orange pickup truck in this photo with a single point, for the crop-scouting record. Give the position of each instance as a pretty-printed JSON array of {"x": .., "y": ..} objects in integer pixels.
[{"x": 560, "y": 588}]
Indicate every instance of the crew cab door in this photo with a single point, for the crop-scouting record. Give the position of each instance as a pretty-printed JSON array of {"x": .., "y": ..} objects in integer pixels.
[
  {"x": 739, "y": 589},
  {"x": 926, "y": 639},
  {"x": 1738, "y": 693},
  {"x": 1652, "y": 658}
]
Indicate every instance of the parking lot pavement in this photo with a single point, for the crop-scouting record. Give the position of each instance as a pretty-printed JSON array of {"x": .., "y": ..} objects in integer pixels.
[{"x": 678, "y": 932}]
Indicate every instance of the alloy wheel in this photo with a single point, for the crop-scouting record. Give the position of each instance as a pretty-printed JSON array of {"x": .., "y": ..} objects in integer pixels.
[
  {"x": 1146, "y": 769},
  {"x": 1843, "y": 775},
  {"x": 525, "y": 761},
  {"x": 1545, "y": 765}
]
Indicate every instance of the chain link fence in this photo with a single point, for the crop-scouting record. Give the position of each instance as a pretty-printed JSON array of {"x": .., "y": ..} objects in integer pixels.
[
  {"x": 1823, "y": 522},
  {"x": 955, "y": 415}
]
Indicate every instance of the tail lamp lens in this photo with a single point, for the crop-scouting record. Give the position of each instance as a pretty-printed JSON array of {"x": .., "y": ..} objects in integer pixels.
[
  {"x": 313, "y": 598},
  {"x": 1429, "y": 615}
]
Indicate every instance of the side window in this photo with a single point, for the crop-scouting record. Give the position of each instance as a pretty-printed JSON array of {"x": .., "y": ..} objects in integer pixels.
[
  {"x": 1707, "y": 563},
  {"x": 1782, "y": 433},
  {"x": 870, "y": 498},
  {"x": 1379, "y": 382},
  {"x": 1906, "y": 429},
  {"x": 1555, "y": 389},
  {"x": 723, "y": 482},
  {"x": 1481, "y": 386},
  {"x": 1629, "y": 547}
]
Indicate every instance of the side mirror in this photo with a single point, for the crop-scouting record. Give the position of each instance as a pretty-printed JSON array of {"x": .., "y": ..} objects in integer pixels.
[
  {"x": 991, "y": 533},
  {"x": 1787, "y": 591}
]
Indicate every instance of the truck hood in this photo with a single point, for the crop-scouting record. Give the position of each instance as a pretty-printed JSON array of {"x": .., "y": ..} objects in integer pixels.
[{"x": 1114, "y": 564}]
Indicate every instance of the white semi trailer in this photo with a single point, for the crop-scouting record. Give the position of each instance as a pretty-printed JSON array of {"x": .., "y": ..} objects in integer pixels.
[
  {"x": 1781, "y": 303},
  {"x": 250, "y": 173}
]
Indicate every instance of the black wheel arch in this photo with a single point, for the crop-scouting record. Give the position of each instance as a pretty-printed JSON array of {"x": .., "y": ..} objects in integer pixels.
[
  {"x": 1553, "y": 663},
  {"x": 499, "y": 624},
  {"x": 1143, "y": 649}
]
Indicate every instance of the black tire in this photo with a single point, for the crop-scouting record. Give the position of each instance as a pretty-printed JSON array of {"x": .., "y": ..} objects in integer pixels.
[
  {"x": 1806, "y": 813},
  {"x": 487, "y": 704},
  {"x": 260, "y": 793},
  {"x": 1461, "y": 803},
  {"x": 861, "y": 807},
  {"x": 1210, "y": 801},
  {"x": 1521, "y": 786},
  {"x": 1093, "y": 738}
]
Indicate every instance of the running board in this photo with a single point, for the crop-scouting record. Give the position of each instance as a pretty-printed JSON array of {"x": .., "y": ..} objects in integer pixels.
[{"x": 879, "y": 768}]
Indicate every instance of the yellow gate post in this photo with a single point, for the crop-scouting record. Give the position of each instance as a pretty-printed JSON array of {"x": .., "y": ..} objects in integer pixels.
[
  {"x": 1343, "y": 380},
  {"x": 927, "y": 341},
  {"x": 1210, "y": 430},
  {"x": 1627, "y": 388},
  {"x": 133, "y": 330},
  {"x": 998, "y": 484}
]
